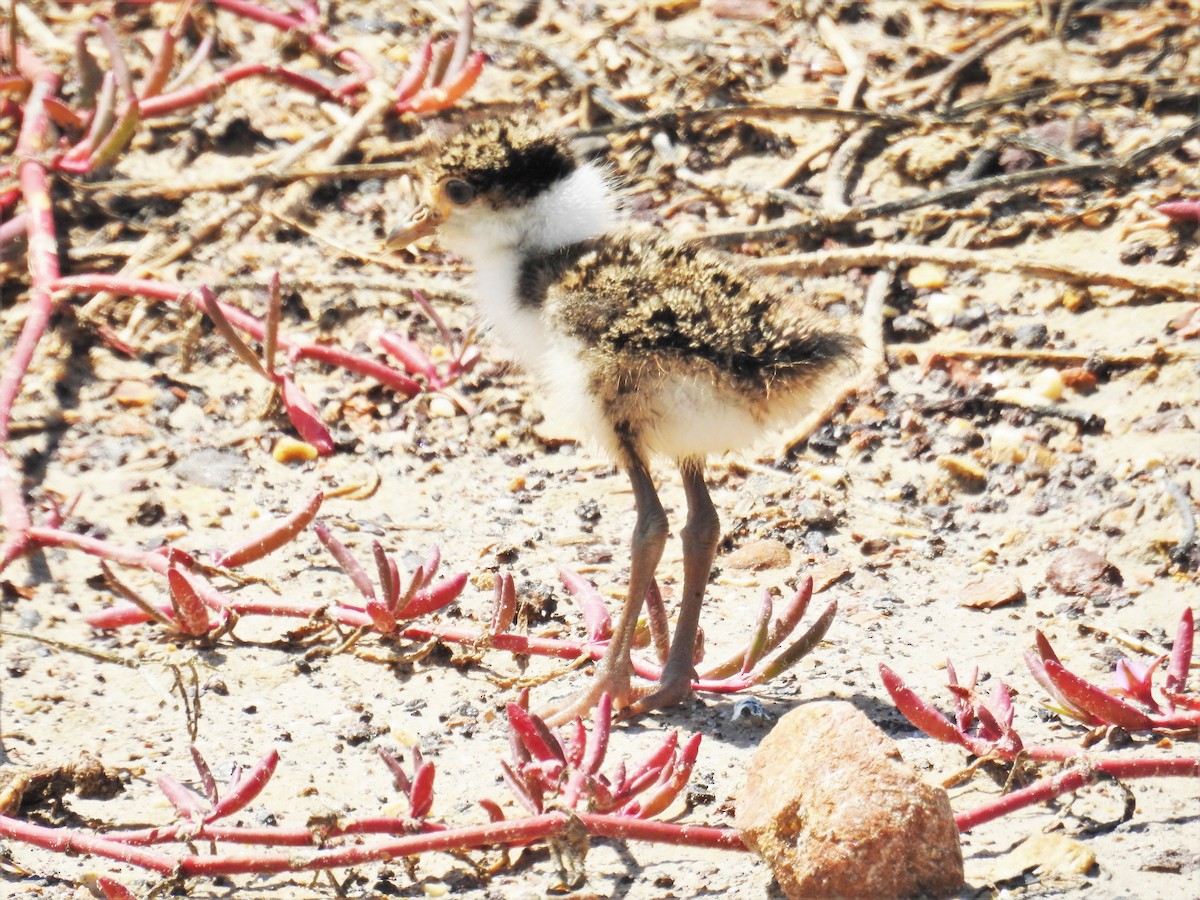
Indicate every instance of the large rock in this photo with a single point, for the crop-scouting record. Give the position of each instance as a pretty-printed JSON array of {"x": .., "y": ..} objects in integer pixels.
[{"x": 836, "y": 811}]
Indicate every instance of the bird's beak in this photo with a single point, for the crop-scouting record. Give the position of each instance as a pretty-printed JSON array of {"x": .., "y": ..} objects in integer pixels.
[{"x": 421, "y": 221}]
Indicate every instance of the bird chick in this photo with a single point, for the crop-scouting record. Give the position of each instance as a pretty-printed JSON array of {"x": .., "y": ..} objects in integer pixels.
[{"x": 645, "y": 345}]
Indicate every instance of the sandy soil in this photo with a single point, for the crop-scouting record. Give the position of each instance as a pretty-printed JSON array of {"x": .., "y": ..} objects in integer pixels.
[{"x": 937, "y": 476}]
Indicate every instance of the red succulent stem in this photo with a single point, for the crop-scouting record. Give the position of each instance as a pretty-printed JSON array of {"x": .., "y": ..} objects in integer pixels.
[
  {"x": 63, "y": 840},
  {"x": 273, "y": 836},
  {"x": 56, "y": 537},
  {"x": 449, "y": 92},
  {"x": 297, "y": 347},
  {"x": 13, "y": 228},
  {"x": 174, "y": 101},
  {"x": 507, "y": 832},
  {"x": 319, "y": 41},
  {"x": 43, "y": 270},
  {"x": 414, "y": 76},
  {"x": 1084, "y": 773}
]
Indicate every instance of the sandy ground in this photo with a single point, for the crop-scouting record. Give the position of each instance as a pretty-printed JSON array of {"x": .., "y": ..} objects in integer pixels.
[{"x": 921, "y": 484}]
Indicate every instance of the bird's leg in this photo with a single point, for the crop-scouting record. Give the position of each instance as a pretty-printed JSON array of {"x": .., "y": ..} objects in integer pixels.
[
  {"x": 700, "y": 537},
  {"x": 615, "y": 670}
]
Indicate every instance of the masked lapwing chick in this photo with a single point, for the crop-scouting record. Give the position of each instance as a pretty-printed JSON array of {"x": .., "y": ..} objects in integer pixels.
[{"x": 645, "y": 345}]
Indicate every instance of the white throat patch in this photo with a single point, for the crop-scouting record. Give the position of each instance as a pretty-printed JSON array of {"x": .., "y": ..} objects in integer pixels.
[{"x": 580, "y": 206}]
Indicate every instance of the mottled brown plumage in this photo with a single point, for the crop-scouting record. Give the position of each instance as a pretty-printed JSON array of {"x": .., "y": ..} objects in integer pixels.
[{"x": 647, "y": 345}]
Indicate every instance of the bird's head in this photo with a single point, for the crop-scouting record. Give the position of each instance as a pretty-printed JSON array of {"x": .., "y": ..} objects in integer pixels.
[{"x": 508, "y": 185}]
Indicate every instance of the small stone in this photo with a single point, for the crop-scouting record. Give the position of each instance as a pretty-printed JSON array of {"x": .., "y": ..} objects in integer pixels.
[
  {"x": 812, "y": 514},
  {"x": 1187, "y": 323},
  {"x": 964, "y": 470},
  {"x": 970, "y": 318},
  {"x": 989, "y": 593},
  {"x": 1026, "y": 397},
  {"x": 1049, "y": 383},
  {"x": 1008, "y": 444},
  {"x": 759, "y": 555},
  {"x": 831, "y": 476},
  {"x": 1134, "y": 252},
  {"x": 963, "y": 432},
  {"x": 1079, "y": 572},
  {"x": 870, "y": 546},
  {"x": 943, "y": 308},
  {"x": 927, "y": 275},
  {"x": 1032, "y": 336},
  {"x": 212, "y": 468},
  {"x": 1079, "y": 378},
  {"x": 1076, "y": 300},
  {"x": 290, "y": 450},
  {"x": 133, "y": 393},
  {"x": 833, "y": 808},
  {"x": 827, "y": 573},
  {"x": 1054, "y": 854},
  {"x": 128, "y": 425},
  {"x": 911, "y": 327},
  {"x": 441, "y": 407},
  {"x": 671, "y": 9}
]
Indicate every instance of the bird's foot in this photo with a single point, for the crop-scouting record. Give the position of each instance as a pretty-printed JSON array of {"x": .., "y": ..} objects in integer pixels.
[
  {"x": 672, "y": 688},
  {"x": 614, "y": 682},
  {"x": 630, "y": 701}
]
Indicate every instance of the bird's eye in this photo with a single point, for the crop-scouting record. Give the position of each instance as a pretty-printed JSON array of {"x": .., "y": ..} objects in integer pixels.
[{"x": 459, "y": 192}]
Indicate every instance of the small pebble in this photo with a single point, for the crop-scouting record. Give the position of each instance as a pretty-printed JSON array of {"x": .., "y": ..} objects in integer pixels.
[
  {"x": 441, "y": 407},
  {"x": 943, "y": 308},
  {"x": 828, "y": 475},
  {"x": 970, "y": 318},
  {"x": 964, "y": 469},
  {"x": 1049, "y": 383},
  {"x": 290, "y": 450},
  {"x": 1008, "y": 444},
  {"x": 1054, "y": 855},
  {"x": 1076, "y": 300},
  {"x": 911, "y": 327},
  {"x": 1170, "y": 255},
  {"x": 133, "y": 393},
  {"x": 1080, "y": 379},
  {"x": 991, "y": 592},
  {"x": 962, "y": 430},
  {"x": 1020, "y": 397},
  {"x": 927, "y": 275},
  {"x": 1032, "y": 336},
  {"x": 1134, "y": 252},
  {"x": 760, "y": 555}
]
